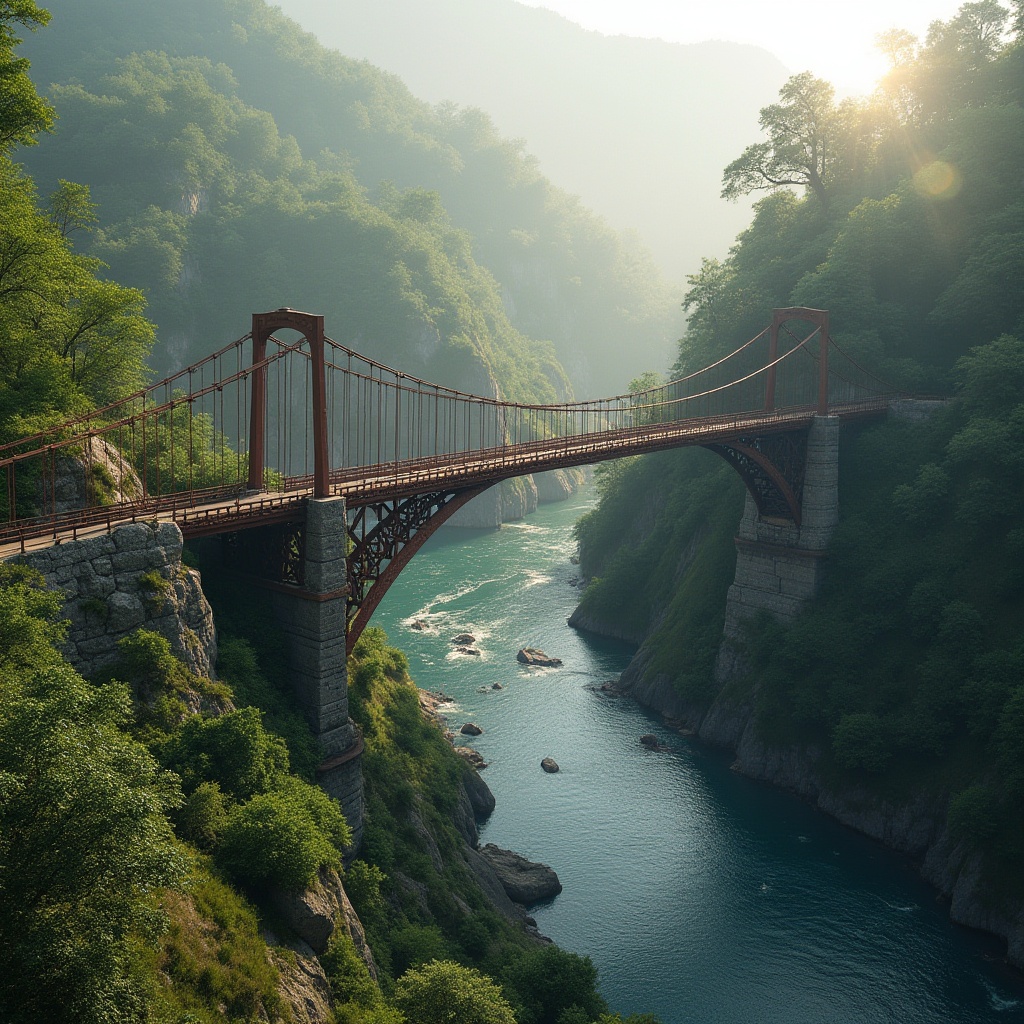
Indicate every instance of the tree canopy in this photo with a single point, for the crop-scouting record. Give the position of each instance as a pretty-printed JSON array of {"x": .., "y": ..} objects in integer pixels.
[{"x": 23, "y": 113}]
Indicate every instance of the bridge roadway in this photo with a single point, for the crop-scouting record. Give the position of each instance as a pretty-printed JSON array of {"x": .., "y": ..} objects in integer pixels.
[{"x": 214, "y": 511}]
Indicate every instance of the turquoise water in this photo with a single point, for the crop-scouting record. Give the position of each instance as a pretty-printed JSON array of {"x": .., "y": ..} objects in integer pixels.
[{"x": 700, "y": 895}]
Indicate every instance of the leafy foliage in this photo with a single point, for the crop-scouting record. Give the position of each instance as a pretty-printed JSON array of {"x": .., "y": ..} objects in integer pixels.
[
  {"x": 22, "y": 112},
  {"x": 404, "y": 204},
  {"x": 283, "y": 837},
  {"x": 85, "y": 846},
  {"x": 901, "y": 215},
  {"x": 442, "y": 991}
]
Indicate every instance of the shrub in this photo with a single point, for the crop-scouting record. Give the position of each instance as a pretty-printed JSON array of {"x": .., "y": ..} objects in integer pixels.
[
  {"x": 549, "y": 981},
  {"x": 204, "y": 816},
  {"x": 443, "y": 991},
  {"x": 282, "y": 838},
  {"x": 858, "y": 742},
  {"x": 233, "y": 750}
]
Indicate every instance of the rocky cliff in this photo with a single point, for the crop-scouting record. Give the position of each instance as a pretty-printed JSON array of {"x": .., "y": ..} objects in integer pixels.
[{"x": 516, "y": 498}]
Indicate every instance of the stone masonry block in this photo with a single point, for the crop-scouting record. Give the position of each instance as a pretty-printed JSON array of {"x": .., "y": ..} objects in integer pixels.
[
  {"x": 125, "y": 612},
  {"x": 134, "y": 560},
  {"x": 761, "y": 581},
  {"x": 133, "y": 537},
  {"x": 797, "y": 569},
  {"x": 102, "y": 566}
]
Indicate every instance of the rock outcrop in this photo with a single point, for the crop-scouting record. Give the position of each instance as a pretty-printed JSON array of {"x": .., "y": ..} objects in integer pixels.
[
  {"x": 531, "y": 656},
  {"x": 100, "y": 475},
  {"x": 303, "y": 985},
  {"x": 524, "y": 881},
  {"x": 314, "y": 914},
  {"x": 129, "y": 579},
  {"x": 558, "y": 484}
]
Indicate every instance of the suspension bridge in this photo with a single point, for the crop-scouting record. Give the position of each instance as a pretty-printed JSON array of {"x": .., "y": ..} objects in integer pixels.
[{"x": 240, "y": 442}]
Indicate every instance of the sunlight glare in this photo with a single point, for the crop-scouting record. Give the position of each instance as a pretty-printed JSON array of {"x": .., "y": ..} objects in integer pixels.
[{"x": 835, "y": 41}]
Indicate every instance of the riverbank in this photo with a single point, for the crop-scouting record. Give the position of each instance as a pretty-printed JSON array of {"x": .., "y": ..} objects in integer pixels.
[
  {"x": 698, "y": 896},
  {"x": 916, "y": 829}
]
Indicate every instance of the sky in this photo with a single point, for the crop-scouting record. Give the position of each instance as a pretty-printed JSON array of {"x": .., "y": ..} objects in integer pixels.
[{"x": 834, "y": 39}]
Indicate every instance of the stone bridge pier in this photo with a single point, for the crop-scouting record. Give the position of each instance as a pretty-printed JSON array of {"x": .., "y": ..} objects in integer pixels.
[
  {"x": 312, "y": 618},
  {"x": 778, "y": 564}
]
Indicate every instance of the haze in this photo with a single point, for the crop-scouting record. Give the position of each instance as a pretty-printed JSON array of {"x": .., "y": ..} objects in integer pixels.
[
  {"x": 834, "y": 40},
  {"x": 639, "y": 129}
]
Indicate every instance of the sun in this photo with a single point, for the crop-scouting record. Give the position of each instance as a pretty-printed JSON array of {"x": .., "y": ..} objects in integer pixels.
[{"x": 833, "y": 41}]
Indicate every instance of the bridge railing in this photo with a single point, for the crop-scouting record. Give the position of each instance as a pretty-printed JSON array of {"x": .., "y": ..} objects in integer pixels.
[
  {"x": 185, "y": 441},
  {"x": 175, "y": 443}
]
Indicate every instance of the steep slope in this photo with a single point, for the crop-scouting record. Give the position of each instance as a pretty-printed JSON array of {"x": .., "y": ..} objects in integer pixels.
[
  {"x": 639, "y": 128},
  {"x": 234, "y": 194},
  {"x": 894, "y": 701}
]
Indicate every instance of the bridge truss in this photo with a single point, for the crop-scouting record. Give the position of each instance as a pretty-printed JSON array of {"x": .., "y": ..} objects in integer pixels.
[{"x": 243, "y": 438}]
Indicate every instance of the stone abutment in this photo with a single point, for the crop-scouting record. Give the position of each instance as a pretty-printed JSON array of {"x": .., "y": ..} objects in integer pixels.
[{"x": 778, "y": 564}]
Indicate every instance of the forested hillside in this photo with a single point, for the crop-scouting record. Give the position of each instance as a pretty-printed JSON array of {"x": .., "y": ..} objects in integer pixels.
[
  {"x": 639, "y": 128},
  {"x": 237, "y": 165},
  {"x": 156, "y": 825},
  {"x": 901, "y": 215}
]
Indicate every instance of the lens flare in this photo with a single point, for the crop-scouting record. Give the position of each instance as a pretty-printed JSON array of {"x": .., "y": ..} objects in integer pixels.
[{"x": 939, "y": 180}]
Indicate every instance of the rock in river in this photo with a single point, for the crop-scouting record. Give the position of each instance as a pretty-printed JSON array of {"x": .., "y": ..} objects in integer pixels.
[
  {"x": 550, "y": 765},
  {"x": 471, "y": 729},
  {"x": 531, "y": 656},
  {"x": 523, "y": 880},
  {"x": 464, "y": 638}
]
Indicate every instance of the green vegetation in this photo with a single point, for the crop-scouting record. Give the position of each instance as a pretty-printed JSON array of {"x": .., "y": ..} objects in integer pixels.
[
  {"x": 686, "y": 503},
  {"x": 255, "y": 149},
  {"x": 442, "y": 991},
  {"x": 910, "y": 661},
  {"x": 906, "y": 672},
  {"x": 148, "y": 816},
  {"x": 85, "y": 844}
]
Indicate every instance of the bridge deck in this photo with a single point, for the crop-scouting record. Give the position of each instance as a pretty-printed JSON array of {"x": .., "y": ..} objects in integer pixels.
[{"x": 201, "y": 513}]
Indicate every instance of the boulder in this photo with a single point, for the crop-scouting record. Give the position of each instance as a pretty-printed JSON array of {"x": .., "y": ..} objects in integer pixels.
[
  {"x": 532, "y": 656},
  {"x": 472, "y": 651},
  {"x": 650, "y": 741},
  {"x": 480, "y": 796},
  {"x": 464, "y": 638},
  {"x": 550, "y": 765},
  {"x": 471, "y": 729},
  {"x": 497, "y": 686},
  {"x": 314, "y": 914},
  {"x": 419, "y": 625},
  {"x": 524, "y": 881},
  {"x": 472, "y": 757}
]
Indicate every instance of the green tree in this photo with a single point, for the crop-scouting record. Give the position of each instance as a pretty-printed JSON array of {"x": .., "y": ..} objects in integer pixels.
[
  {"x": 58, "y": 318},
  {"x": 550, "y": 981},
  {"x": 282, "y": 838},
  {"x": 802, "y": 147},
  {"x": 22, "y": 112},
  {"x": 85, "y": 847},
  {"x": 233, "y": 750},
  {"x": 444, "y": 992}
]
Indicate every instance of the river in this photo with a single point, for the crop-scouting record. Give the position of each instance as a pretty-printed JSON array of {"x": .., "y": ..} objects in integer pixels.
[{"x": 701, "y": 896}]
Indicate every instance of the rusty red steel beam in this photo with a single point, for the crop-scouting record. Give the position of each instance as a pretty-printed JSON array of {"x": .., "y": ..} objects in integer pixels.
[{"x": 213, "y": 510}]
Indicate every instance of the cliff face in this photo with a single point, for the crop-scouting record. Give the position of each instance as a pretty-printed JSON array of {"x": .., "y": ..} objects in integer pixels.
[{"x": 916, "y": 828}]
